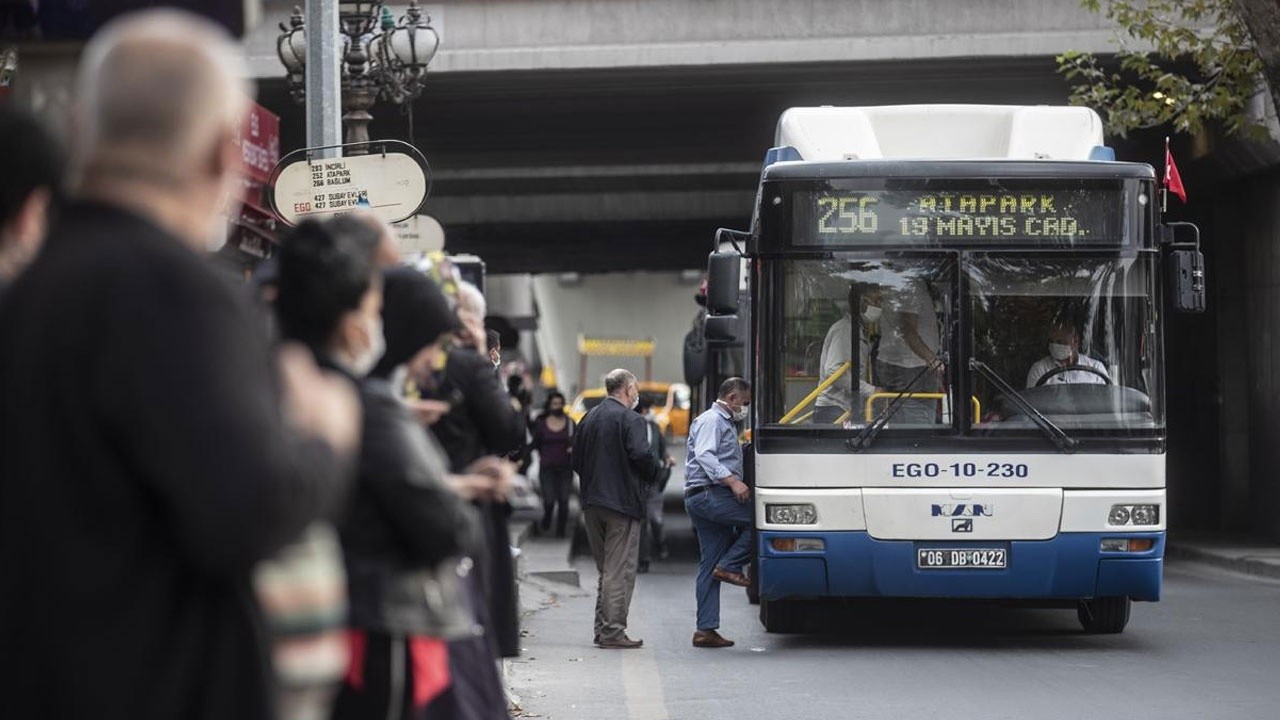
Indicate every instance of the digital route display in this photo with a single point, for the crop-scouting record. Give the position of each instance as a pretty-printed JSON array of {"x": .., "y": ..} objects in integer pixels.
[{"x": 933, "y": 216}]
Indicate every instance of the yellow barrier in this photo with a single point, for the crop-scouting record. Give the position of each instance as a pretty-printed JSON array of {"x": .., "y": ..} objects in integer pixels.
[
  {"x": 615, "y": 347},
  {"x": 786, "y": 419},
  {"x": 977, "y": 405}
]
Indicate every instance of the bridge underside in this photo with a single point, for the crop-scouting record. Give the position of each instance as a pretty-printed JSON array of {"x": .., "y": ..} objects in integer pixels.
[{"x": 593, "y": 170}]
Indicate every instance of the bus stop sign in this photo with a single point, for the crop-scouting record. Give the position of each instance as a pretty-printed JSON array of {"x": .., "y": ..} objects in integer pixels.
[{"x": 391, "y": 181}]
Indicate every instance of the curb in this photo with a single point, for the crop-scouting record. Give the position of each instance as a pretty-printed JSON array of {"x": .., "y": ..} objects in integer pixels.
[{"x": 1245, "y": 564}]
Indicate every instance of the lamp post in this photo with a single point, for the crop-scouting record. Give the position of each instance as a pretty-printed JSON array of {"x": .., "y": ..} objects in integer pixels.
[{"x": 381, "y": 58}]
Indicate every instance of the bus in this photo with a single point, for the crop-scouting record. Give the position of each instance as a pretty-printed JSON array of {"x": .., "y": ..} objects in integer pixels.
[{"x": 955, "y": 340}]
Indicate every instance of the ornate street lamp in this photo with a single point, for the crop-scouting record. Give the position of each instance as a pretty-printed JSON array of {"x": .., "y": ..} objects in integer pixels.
[{"x": 381, "y": 58}]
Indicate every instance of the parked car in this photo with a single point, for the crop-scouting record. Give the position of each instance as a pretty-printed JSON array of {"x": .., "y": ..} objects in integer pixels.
[{"x": 670, "y": 405}]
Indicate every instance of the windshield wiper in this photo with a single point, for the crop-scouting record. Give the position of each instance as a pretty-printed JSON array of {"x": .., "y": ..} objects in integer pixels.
[
  {"x": 868, "y": 434},
  {"x": 1057, "y": 435}
]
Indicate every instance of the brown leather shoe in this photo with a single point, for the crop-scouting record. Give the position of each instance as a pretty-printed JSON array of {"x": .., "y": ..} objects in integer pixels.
[
  {"x": 710, "y": 639},
  {"x": 622, "y": 643},
  {"x": 732, "y": 578}
]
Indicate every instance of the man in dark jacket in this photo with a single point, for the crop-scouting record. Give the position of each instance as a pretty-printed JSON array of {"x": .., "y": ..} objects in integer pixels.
[
  {"x": 144, "y": 463},
  {"x": 614, "y": 463}
]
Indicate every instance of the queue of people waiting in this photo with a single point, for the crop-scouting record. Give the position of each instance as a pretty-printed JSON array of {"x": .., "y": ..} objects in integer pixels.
[{"x": 222, "y": 502}]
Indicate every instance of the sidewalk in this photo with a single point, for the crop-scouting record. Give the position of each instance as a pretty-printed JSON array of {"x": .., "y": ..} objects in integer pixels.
[
  {"x": 1253, "y": 557},
  {"x": 545, "y": 578}
]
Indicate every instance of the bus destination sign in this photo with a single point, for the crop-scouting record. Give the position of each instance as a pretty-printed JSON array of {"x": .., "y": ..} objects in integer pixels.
[{"x": 1070, "y": 216}]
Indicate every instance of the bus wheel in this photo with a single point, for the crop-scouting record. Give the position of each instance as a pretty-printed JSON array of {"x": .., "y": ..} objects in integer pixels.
[
  {"x": 753, "y": 588},
  {"x": 781, "y": 616},
  {"x": 1106, "y": 615}
]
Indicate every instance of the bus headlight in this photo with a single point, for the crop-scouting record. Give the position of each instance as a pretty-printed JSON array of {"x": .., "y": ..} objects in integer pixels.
[
  {"x": 1119, "y": 515},
  {"x": 1145, "y": 515},
  {"x": 1134, "y": 515},
  {"x": 801, "y": 514}
]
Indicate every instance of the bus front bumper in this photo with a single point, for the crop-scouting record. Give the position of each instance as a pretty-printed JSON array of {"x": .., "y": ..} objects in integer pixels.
[{"x": 853, "y": 564}]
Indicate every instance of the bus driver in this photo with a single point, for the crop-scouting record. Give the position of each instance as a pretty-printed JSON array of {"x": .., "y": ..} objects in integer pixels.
[{"x": 1064, "y": 352}]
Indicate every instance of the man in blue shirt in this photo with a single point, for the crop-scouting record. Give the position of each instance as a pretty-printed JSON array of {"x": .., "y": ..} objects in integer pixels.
[{"x": 717, "y": 501}]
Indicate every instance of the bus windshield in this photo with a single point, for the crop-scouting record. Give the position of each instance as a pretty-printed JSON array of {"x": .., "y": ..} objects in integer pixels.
[
  {"x": 856, "y": 332},
  {"x": 1075, "y": 336}
]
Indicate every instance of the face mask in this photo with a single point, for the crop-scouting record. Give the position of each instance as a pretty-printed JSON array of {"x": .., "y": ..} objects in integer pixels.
[
  {"x": 377, "y": 347},
  {"x": 557, "y": 411},
  {"x": 217, "y": 237},
  {"x": 636, "y": 402},
  {"x": 871, "y": 314},
  {"x": 738, "y": 415},
  {"x": 1059, "y": 352}
]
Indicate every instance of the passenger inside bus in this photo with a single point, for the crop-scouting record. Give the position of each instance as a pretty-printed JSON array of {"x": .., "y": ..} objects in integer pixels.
[
  {"x": 836, "y": 404},
  {"x": 909, "y": 343},
  {"x": 1065, "y": 364}
]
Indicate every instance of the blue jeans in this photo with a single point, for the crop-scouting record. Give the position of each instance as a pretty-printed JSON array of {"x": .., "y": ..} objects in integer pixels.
[{"x": 723, "y": 526}]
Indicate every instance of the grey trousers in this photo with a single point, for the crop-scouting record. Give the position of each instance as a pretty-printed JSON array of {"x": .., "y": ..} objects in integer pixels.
[{"x": 615, "y": 545}]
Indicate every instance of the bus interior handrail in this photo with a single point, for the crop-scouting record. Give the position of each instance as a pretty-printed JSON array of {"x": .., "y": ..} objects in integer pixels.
[{"x": 822, "y": 386}]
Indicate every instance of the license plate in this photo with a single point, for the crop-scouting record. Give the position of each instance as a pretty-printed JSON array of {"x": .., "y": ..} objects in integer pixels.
[{"x": 953, "y": 558}]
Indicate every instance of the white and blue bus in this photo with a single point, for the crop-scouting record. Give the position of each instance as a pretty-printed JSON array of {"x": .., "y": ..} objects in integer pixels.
[{"x": 953, "y": 323}]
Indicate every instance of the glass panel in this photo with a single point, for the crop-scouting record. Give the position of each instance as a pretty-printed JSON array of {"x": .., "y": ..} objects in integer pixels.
[
  {"x": 985, "y": 212},
  {"x": 1076, "y": 337},
  {"x": 840, "y": 368}
]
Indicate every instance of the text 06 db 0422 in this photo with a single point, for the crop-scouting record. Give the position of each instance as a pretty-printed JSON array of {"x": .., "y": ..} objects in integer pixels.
[{"x": 946, "y": 558}]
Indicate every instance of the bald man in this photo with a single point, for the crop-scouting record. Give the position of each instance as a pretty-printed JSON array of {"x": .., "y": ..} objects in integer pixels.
[{"x": 147, "y": 461}]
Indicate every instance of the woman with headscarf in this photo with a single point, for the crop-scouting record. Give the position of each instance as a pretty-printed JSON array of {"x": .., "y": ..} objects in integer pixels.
[
  {"x": 418, "y": 321},
  {"x": 476, "y": 422}
]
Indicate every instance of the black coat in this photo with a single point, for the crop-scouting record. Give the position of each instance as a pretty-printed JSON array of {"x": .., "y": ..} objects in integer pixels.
[
  {"x": 144, "y": 470},
  {"x": 402, "y": 517},
  {"x": 612, "y": 457},
  {"x": 482, "y": 420}
]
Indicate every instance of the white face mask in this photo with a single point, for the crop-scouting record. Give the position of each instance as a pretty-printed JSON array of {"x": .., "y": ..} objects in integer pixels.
[
  {"x": 1059, "y": 352},
  {"x": 372, "y": 354},
  {"x": 217, "y": 237},
  {"x": 872, "y": 314},
  {"x": 635, "y": 402},
  {"x": 738, "y": 415}
]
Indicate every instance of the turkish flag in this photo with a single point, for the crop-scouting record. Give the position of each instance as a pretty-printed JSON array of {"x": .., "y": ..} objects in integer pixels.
[{"x": 1172, "y": 179}]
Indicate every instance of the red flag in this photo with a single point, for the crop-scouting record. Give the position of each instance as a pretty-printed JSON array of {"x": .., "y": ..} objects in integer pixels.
[{"x": 1172, "y": 179}]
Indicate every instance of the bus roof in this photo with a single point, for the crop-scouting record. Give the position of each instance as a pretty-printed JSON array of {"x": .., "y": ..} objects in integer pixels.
[
  {"x": 957, "y": 169},
  {"x": 940, "y": 132}
]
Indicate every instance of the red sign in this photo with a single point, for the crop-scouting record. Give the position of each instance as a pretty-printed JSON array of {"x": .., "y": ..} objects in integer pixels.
[{"x": 260, "y": 142}]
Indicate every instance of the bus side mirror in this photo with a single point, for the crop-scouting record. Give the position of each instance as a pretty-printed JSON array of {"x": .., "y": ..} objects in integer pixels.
[
  {"x": 1184, "y": 269},
  {"x": 1184, "y": 275},
  {"x": 722, "y": 328},
  {"x": 723, "y": 270}
]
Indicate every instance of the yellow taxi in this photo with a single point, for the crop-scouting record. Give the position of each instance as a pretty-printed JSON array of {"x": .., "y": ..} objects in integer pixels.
[{"x": 670, "y": 405}]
